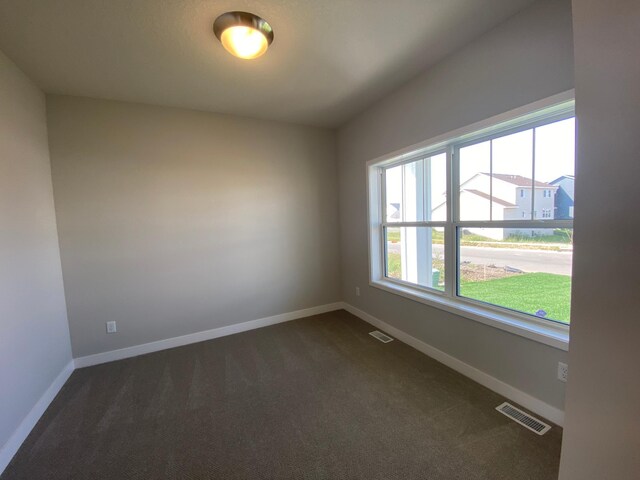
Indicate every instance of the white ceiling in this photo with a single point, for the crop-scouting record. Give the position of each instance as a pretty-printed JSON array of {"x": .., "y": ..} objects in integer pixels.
[{"x": 330, "y": 58}]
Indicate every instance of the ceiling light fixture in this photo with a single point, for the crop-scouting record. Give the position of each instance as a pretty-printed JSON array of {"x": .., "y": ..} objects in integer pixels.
[{"x": 243, "y": 34}]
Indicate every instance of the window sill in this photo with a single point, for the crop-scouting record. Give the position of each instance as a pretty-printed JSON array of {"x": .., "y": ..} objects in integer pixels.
[{"x": 552, "y": 334}]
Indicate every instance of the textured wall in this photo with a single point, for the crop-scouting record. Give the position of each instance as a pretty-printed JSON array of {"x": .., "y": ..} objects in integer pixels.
[
  {"x": 174, "y": 221},
  {"x": 602, "y": 437},
  {"x": 34, "y": 337},
  {"x": 527, "y": 58}
]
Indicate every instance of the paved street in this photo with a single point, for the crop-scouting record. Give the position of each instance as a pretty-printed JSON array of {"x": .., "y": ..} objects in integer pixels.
[{"x": 525, "y": 260}]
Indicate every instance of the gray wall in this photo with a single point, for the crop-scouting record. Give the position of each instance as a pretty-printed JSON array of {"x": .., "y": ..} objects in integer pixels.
[
  {"x": 174, "y": 221},
  {"x": 602, "y": 436},
  {"x": 34, "y": 337},
  {"x": 528, "y": 58}
]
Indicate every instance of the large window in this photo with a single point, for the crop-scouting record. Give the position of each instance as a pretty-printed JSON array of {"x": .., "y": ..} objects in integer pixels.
[{"x": 482, "y": 222}]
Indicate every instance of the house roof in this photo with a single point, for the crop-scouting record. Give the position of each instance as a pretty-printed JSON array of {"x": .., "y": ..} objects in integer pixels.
[
  {"x": 562, "y": 177},
  {"x": 518, "y": 180},
  {"x": 499, "y": 201},
  {"x": 396, "y": 213}
]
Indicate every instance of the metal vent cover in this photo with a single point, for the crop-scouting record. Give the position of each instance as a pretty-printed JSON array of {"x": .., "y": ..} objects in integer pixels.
[
  {"x": 523, "y": 418},
  {"x": 381, "y": 336}
]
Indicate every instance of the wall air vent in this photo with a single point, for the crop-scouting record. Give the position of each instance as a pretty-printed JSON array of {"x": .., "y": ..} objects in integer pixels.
[
  {"x": 523, "y": 418},
  {"x": 381, "y": 336}
]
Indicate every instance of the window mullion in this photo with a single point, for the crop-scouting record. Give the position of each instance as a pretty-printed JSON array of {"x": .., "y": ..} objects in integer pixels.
[
  {"x": 491, "y": 179},
  {"x": 383, "y": 229},
  {"x": 383, "y": 194},
  {"x": 450, "y": 249},
  {"x": 413, "y": 224},
  {"x": 533, "y": 174}
]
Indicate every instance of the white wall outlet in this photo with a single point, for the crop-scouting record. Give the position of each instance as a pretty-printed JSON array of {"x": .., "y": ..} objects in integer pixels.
[
  {"x": 111, "y": 327},
  {"x": 357, "y": 291},
  {"x": 563, "y": 371}
]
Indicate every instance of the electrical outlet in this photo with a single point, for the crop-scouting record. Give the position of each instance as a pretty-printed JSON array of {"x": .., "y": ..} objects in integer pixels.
[
  {"x": 563, "y": 371},
  {"x": 111, "y": 327},
  {"x": 357, "y": 291}
]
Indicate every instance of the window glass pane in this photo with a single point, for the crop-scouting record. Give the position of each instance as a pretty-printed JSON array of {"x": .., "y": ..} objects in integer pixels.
[
  {"x": 405, "y": 192},
  {"x": 555, "y": 166},
  {"x": 528, "y": 270},
  {"x": 436, "y": 179},
  {"x": 475, "y": 166},
  {"x": 416, "y": 255},
  {"x": 393, "y": 193},
  {"x": 416, "y": 191},
  {"x": 512, "y": 164}
]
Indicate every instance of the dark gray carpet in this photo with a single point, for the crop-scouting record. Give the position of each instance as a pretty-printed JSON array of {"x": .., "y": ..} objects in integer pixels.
[{"x": 312, "y": 399}]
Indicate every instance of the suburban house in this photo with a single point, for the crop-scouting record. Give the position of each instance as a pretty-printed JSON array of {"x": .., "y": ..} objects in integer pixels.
[
  {"x": 393, "y": 211},
  {"x": 564, "y": 196},
  {"x": 511, "y": 196}
]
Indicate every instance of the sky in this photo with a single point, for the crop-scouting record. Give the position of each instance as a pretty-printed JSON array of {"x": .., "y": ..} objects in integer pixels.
[{"x": 512, "y": 154}]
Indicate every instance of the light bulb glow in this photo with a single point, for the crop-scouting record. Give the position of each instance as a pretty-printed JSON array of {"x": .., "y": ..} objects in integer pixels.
[{"x": 244, "y": 42}]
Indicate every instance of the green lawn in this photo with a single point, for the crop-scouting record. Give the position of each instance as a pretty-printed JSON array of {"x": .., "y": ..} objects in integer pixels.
[
  {"x": 528, "y": 293},
  {"x": 394, "y": 266}
]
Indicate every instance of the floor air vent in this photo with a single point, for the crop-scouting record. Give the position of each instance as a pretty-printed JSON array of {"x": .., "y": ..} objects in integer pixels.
[
  {"x": 381, "y": 336},
  {"x": 523, "y": 418}
]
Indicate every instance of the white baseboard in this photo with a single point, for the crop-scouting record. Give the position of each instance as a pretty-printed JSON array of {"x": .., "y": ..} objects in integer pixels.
[
  {"x": 12, "y": 445},
  {"x": 534, "y": 404},
  {"x": 136, "y": 350}
]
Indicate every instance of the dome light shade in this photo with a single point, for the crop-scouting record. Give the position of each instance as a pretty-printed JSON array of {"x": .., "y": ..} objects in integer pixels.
[{"x": 243, "y": 34}]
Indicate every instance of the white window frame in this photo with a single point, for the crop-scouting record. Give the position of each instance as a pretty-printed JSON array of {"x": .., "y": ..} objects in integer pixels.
[{"x": 555, "y": 334}]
